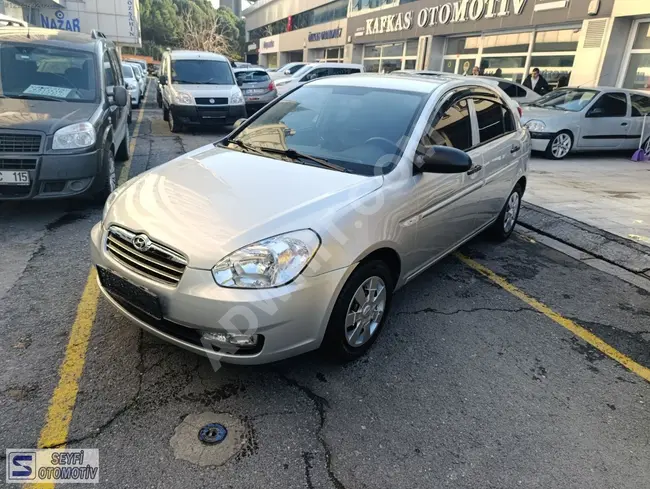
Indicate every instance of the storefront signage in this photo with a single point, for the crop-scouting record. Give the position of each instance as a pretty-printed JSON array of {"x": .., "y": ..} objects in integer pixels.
[
  {"x": 446, "y": 13},
  {"x": 252, "y": 47},
  {"x": 58, "y": 20},
  {"x": 133, "y": 24},
  {"x": 323, "y": 35},
  {"x": 268, "y": 44}
]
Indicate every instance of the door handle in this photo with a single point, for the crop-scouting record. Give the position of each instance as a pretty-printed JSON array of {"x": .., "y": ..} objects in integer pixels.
[
  {"x": 474, "y": 169},
  {"x": 514, "y": 149},
  {"x": 624, "y": 124}
]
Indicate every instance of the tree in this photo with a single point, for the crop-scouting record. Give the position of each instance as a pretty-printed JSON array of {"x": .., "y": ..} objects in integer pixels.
[
  {"x": 160, "y": 22},
  {"x": 200, "y": 34}
]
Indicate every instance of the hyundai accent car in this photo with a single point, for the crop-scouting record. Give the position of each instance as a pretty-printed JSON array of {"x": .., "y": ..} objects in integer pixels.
[{"x": 294, "y": 231}]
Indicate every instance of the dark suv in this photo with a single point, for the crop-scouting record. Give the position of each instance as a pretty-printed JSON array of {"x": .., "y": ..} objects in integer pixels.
[{"x": 64, "y": 114}]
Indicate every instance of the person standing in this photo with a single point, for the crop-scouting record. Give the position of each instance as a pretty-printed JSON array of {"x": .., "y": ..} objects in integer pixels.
[
  {"x": 536, "y": 82},
  {"x": 476, "y": 71}
]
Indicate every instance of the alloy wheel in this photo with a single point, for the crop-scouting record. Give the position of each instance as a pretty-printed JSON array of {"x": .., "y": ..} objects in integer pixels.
[
  {"x": 512, "y": 208},
  {"x": 561, "y": 145},
  {"x": 365, "y": 311}
]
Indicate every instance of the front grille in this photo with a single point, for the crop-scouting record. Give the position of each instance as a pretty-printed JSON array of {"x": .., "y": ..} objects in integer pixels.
[
  {"x": 152, "y": 260},
  {"x": 20, "y": 143},
  {"x": 206, "y": 101},
  {"x": 17, "y": 164}
]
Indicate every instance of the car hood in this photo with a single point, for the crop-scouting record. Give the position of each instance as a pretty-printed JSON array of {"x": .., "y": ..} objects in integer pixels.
[
  {"x": 214, "y": 201},
  {"x": 42, "y": 115},
  {"x": 540, "y": 113}
]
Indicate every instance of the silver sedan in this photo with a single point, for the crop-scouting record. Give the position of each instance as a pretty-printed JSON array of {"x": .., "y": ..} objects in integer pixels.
[
  {"x": 588, "y": 119},
  {"x": 295, "y": 231}
]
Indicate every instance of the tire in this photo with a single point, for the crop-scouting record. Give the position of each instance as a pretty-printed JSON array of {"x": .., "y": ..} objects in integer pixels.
[
  {"x": 159, "y": 100},
  {"x": 124, "y": 151},
  {"x": 129, "y": 119},
  {"x": 339, "y": 342},
  {"x": 503, "y": 227},
  {"x": 107, "y": 178},
  {"x": 174, "y": 125},
  {"x": 165, "y": 115},
  {"x": 559, "y": 146}
]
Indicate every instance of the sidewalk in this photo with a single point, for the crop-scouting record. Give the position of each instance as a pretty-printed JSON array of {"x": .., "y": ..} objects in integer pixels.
[
  {"x": 611, "y": 193},
  {"x": 598, "y": 206}
]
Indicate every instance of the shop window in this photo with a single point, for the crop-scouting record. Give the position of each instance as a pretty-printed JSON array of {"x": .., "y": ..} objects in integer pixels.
[
  {"x": 554, "y": 68},
  {"x": 553, "y": 41},
  {"x": 409, "y": 64},
  {"x": 371, "y": 51},
  {"x": 392, "y": 50},
  {"x": 449, "y": 66},
  {"x": 453, "y": 128},
  {"x": 371, "y": 65},
  {"x": 642, "y": 39},
  {"x": 493, "y": 120},
  {"x": 357, "y": 5},
  {"x": 465, "y": 67},
  {"x": 412, "y": 47},
  {"x": 463, "y": 45},
  {"x": 507, "y": 43},
  {"x": 640, "y": 105},
  {"x": 390, "y": 65},
  {"x": 638, "y": 72},
  {"x": 609, "y": 105}
]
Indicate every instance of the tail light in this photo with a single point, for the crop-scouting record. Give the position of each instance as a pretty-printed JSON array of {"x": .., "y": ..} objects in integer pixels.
[
  {"x": 271, "y": 86},
  {"x": 520, "y": 110}
]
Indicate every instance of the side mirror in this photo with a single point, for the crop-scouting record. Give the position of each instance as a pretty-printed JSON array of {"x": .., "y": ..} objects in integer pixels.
[
  {"x": 596, "y": 112},
  {"x": 163, "y": 79},
  {"x": 240, "y": 83},
  {"x": 238, "y": 123},
  {"x": 120, "y": 96},
  {"x": 442, "y": 159},
  {"x": 287, "y": 72}
]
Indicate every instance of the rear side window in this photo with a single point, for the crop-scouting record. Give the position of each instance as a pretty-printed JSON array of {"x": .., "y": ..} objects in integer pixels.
[
  {"x": 640, "y": 105},
  {"x": 258, "y": 76},
  {"x": 494, "y": 120},
  {"x": 316, "y": 73},
  {"x": 108, "y": 71},
  {"x": 343, "y": 71},
  {"x": 512, "y": 90},
  {"x": 451, "y": 128}
]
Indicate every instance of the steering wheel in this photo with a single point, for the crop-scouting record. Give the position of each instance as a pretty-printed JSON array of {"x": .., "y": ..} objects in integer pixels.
[{"x": 383, "y": 143}]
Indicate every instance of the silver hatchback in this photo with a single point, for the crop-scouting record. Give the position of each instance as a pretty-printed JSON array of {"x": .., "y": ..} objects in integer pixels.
[{"x": 295, "y": 231}]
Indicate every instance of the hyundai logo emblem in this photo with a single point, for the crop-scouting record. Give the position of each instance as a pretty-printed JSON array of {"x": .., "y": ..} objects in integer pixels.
[
  {"x": 211, "y": 100},
  {"x": 141, "y": 242}
]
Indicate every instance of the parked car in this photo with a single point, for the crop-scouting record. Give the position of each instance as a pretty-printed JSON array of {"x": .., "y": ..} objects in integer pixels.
[
  {"x": 132, "y": 84},
  {"x": 199, "y": 88},
  {"x": 286, "y": 71},
  {"x": 294, "y": 231},
  {"x": 588, "y": 119},
  {"x": 257, "y": 87},
  {"x": 141, "y": 63},
  {"x": 63, "y": 114},
  {"x": 515, "y": 91},
  {"x": 314, "y": 71},
  {"x": 141, "y": 77}
]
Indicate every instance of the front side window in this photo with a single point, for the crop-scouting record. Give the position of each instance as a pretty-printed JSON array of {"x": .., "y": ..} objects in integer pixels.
[
  {"x": 610, "y": 105},
  {"x": 452, "y": 127},
  {"x": 317, "y": 73},
  {"x": 109, "y": 74},
  {"x": 512, "y": 90},
  {"x": 360, "y": 128},
  {"x": 494, "y": 120},
  {"x": 33, "y": 71},
  {"x": 570, "y": 99},
  {"x": 201, "y": 72}
]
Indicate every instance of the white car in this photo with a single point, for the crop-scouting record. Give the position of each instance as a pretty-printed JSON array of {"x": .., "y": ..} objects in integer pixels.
[
  {"x": 286, "y": 70},
  {"x": 132, "y": 85},
  {"x": 313, "y": 71},
  {"x": 142, "y": 79}
]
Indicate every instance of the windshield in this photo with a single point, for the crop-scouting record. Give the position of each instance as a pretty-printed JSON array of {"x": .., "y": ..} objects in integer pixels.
[
  {"x": 35, "y": 71},
  {"x": 127, "y": 72},
  {"x": 361, "y": 129},
  {"x": 201, "y": 72},
  {"x": 258, "y": 76},
  {"x": 571, "y": 99}
]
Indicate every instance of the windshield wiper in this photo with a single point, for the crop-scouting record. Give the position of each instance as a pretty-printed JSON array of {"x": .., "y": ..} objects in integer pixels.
[
  {"x": 37, "y": 97},
  {"x": 244, "y": 146},
  {"x": 295, "y": 155}
]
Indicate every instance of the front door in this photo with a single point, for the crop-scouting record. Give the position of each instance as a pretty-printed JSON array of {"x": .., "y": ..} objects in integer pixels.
[
  {"x": 448, "y": 206},
  {"x": 607, "y": 122}
]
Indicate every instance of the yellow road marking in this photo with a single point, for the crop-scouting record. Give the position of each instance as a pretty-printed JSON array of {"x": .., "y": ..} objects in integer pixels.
[
  {"x": 638, "y": 237},
  {"x": 576, "y": 329},
  {"x": 62, "y": 403}
]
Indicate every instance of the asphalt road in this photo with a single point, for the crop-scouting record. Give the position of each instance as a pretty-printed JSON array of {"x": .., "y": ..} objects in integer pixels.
[{"x": 468, "y": 387}]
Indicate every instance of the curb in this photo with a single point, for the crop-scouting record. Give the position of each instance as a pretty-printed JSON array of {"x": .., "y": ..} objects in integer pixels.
[{"x": 624, "y": 253}]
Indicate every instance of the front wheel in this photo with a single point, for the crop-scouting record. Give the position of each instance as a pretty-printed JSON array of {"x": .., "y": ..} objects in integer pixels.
[
  {"x": 505, "y": 223},
  {"x": 107, "y": 177},
  {"x": 360, "y": 311},
  {"x": 174, "y": 125},
  {"x": 559, "y": 146}
]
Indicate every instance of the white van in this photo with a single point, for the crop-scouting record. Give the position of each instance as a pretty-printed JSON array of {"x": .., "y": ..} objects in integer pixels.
[
  {"x": 313, "y": 71},
  {"x": 199, "y": 88}
]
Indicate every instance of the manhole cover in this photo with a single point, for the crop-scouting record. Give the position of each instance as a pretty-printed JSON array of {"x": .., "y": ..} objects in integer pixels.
[{"x": 213, "y": 433}]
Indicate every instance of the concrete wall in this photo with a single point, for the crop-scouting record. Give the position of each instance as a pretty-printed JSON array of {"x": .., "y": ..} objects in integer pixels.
[
  {"x": 278, "y": 10},
  {"x": 615, "y": 53},
  {"x": 590, "y": 55},
  {"x": 624, "y": 8}
]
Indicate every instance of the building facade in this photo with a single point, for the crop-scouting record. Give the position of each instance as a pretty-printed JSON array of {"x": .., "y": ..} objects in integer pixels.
[
  {"x": 119, "y": 20},
  {"x": 580, "y": 42}
]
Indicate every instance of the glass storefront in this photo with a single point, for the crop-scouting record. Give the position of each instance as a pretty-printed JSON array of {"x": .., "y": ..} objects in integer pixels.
[
  {"x": 511, "y": 56},
  {"x": 389, "y": 57},
  {"x": 637, "y": 75},
  {"x": 329, "y": 55}
]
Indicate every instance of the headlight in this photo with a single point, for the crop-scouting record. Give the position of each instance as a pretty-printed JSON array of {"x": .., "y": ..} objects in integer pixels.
[
  {"x": 75, "y": 136},
  {"x": 268, "y": 263},
  {"x": 237, "y": 98},
  {"x": 535, "y": 126},
  {"x": 183, "y": 98},
  {"x": 131, "y": 86}
]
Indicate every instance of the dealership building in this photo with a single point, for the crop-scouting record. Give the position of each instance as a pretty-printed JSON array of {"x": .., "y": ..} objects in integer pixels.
[
  {"x": 584, "y": 42},
  {"x": 119, "y": 20}
]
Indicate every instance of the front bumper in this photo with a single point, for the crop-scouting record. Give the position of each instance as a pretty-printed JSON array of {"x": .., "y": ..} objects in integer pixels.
[
  {"x": 208, "y": 114},
  {"x": 291, "y": 319},
  {"x": 540, "y": 140},
  {"x": 55, "y": 176}
]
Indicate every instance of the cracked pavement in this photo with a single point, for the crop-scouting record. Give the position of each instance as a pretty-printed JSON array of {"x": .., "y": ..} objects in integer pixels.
[{"x": 467, "y": 387}]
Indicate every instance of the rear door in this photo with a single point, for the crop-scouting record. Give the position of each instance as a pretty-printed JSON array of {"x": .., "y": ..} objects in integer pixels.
[
  {"x": 640, "y": 115},
  {"x": 607, "y": 122}
]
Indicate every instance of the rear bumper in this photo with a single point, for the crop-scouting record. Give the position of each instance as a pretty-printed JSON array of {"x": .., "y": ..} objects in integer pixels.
[{"x": 196, "y": 115}]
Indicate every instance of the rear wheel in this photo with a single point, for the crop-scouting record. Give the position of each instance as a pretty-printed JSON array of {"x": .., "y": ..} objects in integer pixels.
[
  {"x": 559, "y": 146},
  {"x": 360, "y": 311},
  {"x": 505, "y": 223}
]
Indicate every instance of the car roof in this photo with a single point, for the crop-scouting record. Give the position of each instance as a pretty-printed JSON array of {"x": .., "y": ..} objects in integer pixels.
[
  {"x": 336, "y": 65},
  {"x": 251, "y": 68},
  {"x": 412, "y": 83},
  {"x": 612, "y": 89},
  {"x": 176, "y": 55},
  {"x": 62, "y": 39}
]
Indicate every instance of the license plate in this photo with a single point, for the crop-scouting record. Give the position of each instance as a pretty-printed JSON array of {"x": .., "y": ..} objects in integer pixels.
[
  {"x": 132, "y": 294},
  {"x": 9, "y": 177},
  {"x": 254, "y": 91}
]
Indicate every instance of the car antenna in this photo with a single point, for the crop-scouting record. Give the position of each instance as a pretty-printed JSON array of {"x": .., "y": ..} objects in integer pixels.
[{"x": 30, "y": 17}]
